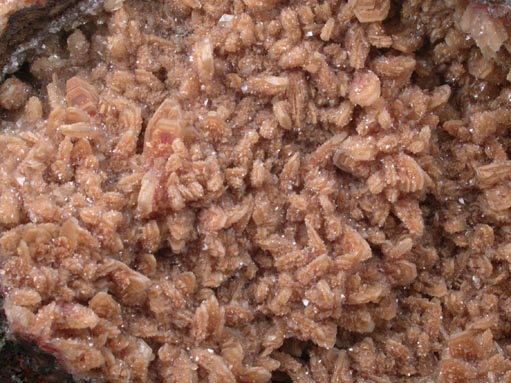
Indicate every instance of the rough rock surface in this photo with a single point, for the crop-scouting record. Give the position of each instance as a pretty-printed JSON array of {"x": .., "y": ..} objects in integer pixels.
[{"x": 256, "y": 190}]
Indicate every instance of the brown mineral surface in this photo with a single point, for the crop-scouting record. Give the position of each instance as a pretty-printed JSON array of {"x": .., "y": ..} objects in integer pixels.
[{"x": 263, "y": 190}]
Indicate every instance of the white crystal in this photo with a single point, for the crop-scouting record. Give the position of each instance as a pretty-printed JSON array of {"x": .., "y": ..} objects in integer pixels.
[
  {"x": 20, "y": 180},
  {"x": 226, "y": 18}
]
